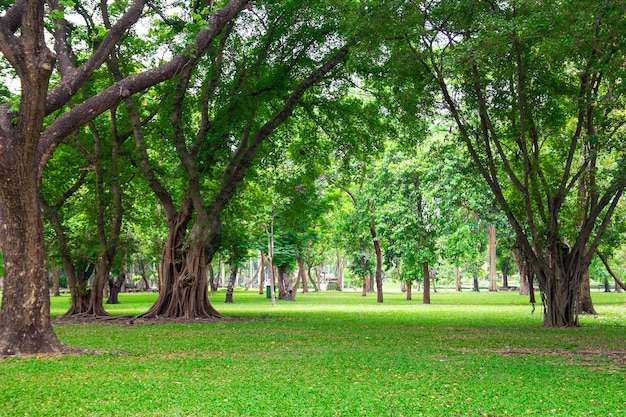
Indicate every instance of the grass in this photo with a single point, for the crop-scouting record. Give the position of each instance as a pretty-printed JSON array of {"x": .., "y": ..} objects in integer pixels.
[{"x": 333, "y": 354}]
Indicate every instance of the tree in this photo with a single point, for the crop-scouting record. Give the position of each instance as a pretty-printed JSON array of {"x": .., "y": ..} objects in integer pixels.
[
  {"x": 536, "y": 96},
  {"x": 28, "y": 139},
  {"x": 241, "y": 106}
]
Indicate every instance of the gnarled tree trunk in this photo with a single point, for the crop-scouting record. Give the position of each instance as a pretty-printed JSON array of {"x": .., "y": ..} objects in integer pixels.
[{"x": 182, "y": 271}]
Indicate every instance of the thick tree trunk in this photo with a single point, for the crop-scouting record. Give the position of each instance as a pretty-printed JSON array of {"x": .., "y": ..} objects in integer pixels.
[
  {"x": 426, "y": 275},
  {"x": 585, "y": 303},
  {"x": 409, "y": 286},
  {"x": 25, "y": 313},
  {"x": 184, "y": 285},
  {"x": 476, "y": 287},
  {"x": 230, "y": 289}
]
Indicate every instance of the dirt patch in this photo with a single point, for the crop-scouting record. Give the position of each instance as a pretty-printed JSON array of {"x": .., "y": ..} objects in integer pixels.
[
  {"x": 588, "y": 356},
  {"x": 133, "y": 320}
]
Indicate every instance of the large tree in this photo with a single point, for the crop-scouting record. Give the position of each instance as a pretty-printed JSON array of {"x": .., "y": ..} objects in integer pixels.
[
  {"x": 245, "y": 88},
  {"x": 536, "y": 93},
  {"x": 31, "y": 129}
]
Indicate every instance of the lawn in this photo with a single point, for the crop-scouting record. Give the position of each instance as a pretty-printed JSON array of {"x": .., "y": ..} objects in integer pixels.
[{"x": 333, "y": 354}]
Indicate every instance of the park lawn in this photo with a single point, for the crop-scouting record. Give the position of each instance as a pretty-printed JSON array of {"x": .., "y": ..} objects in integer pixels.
[{"x": 332, "y": 354}]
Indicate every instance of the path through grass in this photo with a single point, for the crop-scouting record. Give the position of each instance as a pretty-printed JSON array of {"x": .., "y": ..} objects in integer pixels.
[{"x": 333, "y": 354}]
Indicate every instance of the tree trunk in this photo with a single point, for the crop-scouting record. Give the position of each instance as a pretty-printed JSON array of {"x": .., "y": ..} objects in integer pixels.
[
  {"x": 426, "y": 275},
  {"x": 286, "y": 291},
  {"x": 55, "y": 281},
  {"x": 493, "y": 282},
  {"x": 301, "y": 277},
  {"x": 316, "y": 288},
  {"x": 340, "y": 263},
  {"x": 379, "y": 263},
  {"x": 261, "y": 273},
  {"x": 409, "y": 295},
  {"x": 607, "y": 285},
  {"x": 457, "y": 281},
  {"x": 525, "y": 281},
  {"x": 231, "y": 284},
  {"x": 505, "y": 272},
  {"x": 115, "y": 287},
  {"x": 366, "y": 280},
  {"x": 184, "y": 285},
  {"x": 585, "y": 303},
  {"x": 25, "y": 313}
]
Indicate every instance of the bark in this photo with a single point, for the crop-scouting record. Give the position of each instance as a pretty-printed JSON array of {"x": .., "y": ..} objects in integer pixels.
[
  {"x": 457, "y": 281},
  {"x": 25, "y": 313},
  {"x": 475, "y": 286},
  {"x": 231, "y": 284},
  {"x": 213, "y": 280},
  {"x": 261, "y": 273},
  {"x": 426, "y": 277},
  {"x": 505, "y": 272},
  {"x": 584, "y": 302},
  {"x": 409, "y": 286},
  {"x": 525, "y": 283},
  {"x": 115, "y": 287},
  {"x": 316, "y": 287},
  {"x": 493, "y": 283},
  {"x": 366, "y": 280},
  {"x": 379, "y": 263},
  {"x": 182, "y": 271},
  {"x": 340, "y": 264},
  {"x": 55, "y": 281},
  {"x": 286, "y": 291},
  {"x": 301, "y": 277}
]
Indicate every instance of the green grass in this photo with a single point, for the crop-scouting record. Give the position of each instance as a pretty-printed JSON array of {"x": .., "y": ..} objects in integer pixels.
[{"x": 333, "y": 354}]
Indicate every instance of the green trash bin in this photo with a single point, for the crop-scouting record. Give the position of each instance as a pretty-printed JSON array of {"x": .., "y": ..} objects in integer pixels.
[{"x": 268, "y": 292}]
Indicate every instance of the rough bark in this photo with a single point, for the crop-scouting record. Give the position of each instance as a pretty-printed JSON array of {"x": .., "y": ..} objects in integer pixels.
[
  {"x": 409, "y": 293},
  {"x": 55, "y": 281},
  {"x": 182, "y": 271}
]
